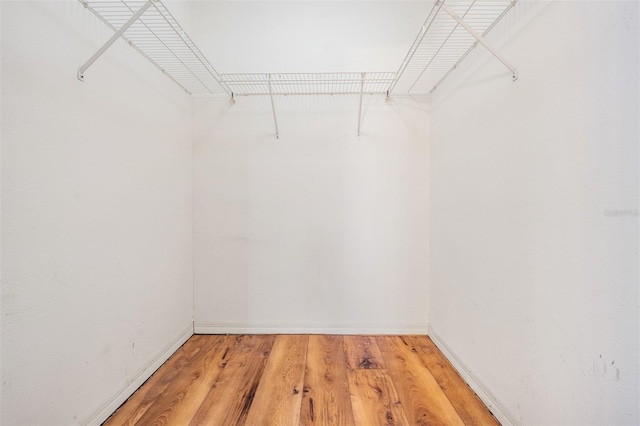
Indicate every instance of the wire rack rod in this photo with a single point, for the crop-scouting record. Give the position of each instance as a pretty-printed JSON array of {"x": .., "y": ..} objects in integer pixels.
[
  {"x": 442, "y": 43},
  {"x": 309, "y": 83},
  {"x": 158, "y": 36}
]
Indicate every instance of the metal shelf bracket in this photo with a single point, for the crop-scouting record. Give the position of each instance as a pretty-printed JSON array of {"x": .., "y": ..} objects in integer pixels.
[
  {"x": 113, "y": 39},
  {"x": 360, "y": 108},
  {"x": 273, "y": 108},
  {"x": 479, "y": 38}
]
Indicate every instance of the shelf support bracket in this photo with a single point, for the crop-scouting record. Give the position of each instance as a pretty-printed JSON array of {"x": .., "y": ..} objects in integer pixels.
[
  {"x": 113, "y": 39},
  {"x": 360, "y": 108},
  {"x": 480, "y": 39},
  {"x": 273, "y": 108}
]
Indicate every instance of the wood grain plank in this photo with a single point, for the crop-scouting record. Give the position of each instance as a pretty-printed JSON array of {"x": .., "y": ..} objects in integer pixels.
[
  {"x": 326, "y": 399},
  {"x": 179, "y": 403},
  {"x": 374, "y": 399},
  {"x": 231, "y": 395},
  {"x": 278, "y": 398},
  {"x": 211, "y": 381},
  {"x": 423, "y": 401},
  {"x": 138, "y": 404},
  {"x": 362, "y": 352},
  {"x": 464, "y": 400}
]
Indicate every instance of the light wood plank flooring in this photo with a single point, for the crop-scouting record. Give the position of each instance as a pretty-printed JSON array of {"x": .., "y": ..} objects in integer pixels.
[{"x": 305, "y": 380}]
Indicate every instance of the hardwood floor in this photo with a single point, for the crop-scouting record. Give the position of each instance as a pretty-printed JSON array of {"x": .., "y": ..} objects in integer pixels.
[{"x": 305, "y": 380}]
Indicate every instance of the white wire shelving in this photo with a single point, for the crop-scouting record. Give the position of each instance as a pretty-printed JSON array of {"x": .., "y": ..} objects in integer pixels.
[
  {"x": 451, "y": 31},
  {"x": 309, "y": 83},
  {"x": 338, "y": 83},
  {"x": 149, "y": 27}
]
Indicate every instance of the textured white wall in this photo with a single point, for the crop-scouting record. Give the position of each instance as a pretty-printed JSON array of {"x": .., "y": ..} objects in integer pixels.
[
  {"x": 306, "y": 36},
  {"x": 533, "y": 285},
  {"x": 318, "y": 231},
  {"x": 96, "y": 214}
]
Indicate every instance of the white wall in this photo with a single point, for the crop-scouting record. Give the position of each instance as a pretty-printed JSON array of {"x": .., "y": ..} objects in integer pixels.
[
  {"x": 96, "y": 216},
  {"x": 533, "y": 285},
  {"x": 318, "y": 231},
  {"x": 306, "y": 36}
]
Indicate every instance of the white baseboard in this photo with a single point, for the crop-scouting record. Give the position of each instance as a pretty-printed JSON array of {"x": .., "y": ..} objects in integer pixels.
[
  {"x": 320, "y": 328},
  {"x": 497, "y": 409},
  {"x": 138, "y": 379}
]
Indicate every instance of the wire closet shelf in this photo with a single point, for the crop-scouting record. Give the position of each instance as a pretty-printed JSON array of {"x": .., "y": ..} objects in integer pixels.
[
  {"x": 445, "y": 40},
  {"x": 452, "y": 29},
  {"x": 309, "y": 83},
  {"x": 151, "y": 29}
]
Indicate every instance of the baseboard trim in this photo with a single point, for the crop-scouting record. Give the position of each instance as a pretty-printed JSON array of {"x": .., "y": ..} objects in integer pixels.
[
  {"x": 138, "y": 378},
  {"x": 281, "y": 328},
  {"x": 496, "y": 407}
]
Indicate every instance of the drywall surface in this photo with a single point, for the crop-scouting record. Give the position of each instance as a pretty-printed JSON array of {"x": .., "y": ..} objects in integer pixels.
[
  {"x": 96, "y": 215},
  {"x": 534, "y": 214},
  {"x": 306, "y": 36},
  {"x": 318, "y": 231}
]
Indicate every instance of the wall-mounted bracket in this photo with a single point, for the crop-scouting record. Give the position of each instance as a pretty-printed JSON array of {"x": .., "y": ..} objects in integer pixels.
[
  {"x": 451, "y": 31},
  {"x": 479, "y": 38},
  {"x": 360, "y": 108},
  {"x": 273, "y": 108},
  {"x": 113, "y": 39},
  {"x": 150, "y": 28}
]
